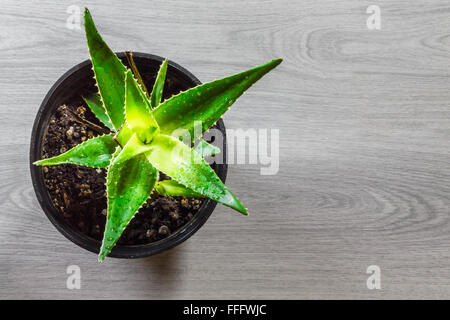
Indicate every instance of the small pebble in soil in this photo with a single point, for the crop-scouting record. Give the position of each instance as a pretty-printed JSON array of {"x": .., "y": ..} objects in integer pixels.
[{"x": 69, "y": 133}]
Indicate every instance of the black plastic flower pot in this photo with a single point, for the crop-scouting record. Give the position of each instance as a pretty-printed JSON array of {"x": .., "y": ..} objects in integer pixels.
[{"x": 73, "y": 84}]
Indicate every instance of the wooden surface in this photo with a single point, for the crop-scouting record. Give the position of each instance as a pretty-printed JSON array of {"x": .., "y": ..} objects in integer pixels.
[{"x": 364, "y": 125}]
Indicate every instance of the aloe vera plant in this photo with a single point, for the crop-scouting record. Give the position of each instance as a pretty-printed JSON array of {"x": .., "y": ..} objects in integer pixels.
[{"x": 143, "y": 143}]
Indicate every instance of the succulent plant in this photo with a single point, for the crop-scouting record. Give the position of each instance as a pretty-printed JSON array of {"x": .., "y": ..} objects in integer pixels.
[{"x": 142, "y": 143}]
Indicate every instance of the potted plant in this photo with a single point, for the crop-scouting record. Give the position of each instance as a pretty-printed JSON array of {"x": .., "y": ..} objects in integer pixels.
[{"x": 117, "y": 155}]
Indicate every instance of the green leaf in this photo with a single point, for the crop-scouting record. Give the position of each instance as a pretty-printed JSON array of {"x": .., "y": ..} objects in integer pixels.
[
  {"x": 175, "y": 189},
  {"x": 184, "y": 165},
  {"x": 205, "y": 149},
  {"x": 128, "y": 186},
  {"x": 206, "y": 103},
  {"x": 138, "y": 114},
  {"x": 96, "y": 152},
  {"x": 94, "y": 103},
  {"x": 109, "y": 73},
  {"x": 132, "y": 148},
  {"x": 158, "y": 87},
  {"x": 124, "y": 134}
]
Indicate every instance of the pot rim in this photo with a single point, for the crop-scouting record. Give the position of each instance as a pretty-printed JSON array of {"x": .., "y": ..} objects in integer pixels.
[{"x": 56, "y": 218}]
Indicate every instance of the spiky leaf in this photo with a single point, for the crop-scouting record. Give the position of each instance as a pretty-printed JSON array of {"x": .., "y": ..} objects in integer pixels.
[
  {"x": 138, "y": 114},
  {"x": 128, "y": 186},
  {"x": 94, "y": 103},
  {"x": 172, "y": 157},
  {"x": 158, "y": 87},
  {"x": 205, "y": 149},
  {"x": 96, "y": 152},
  {"x": 109, "y": 73},
  {"x": 132, "y": 148},
  {"x": 175, "y": 189},
  {"x": 208, "y": 102}
]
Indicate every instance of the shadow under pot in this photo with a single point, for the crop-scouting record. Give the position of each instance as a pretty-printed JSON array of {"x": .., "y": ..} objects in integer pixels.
[{"x": 74, "y": 197}]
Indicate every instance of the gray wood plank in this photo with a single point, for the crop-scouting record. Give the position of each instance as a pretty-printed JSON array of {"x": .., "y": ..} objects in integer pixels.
[{"x": 364, "y": 149}]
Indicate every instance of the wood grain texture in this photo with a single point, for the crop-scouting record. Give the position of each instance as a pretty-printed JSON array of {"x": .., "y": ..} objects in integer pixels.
[{"x": 364, "y": 123}]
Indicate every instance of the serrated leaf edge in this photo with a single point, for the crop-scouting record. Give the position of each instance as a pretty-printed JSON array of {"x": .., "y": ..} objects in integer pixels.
[
  {"x": 68, "y": 162},
  {"x": 93, "y": 67},
  {"x": 107, "y": 206},
  {"x": 212, "y": 82}
]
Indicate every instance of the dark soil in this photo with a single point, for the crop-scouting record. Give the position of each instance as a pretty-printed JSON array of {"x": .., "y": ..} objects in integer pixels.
[{"x": 79, "y": 192}]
